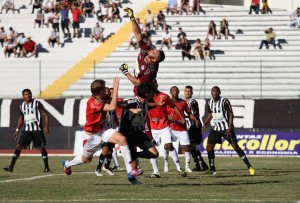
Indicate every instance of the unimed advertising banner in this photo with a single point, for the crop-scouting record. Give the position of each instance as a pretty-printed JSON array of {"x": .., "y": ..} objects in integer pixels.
[{"x": 260, "y": 144}]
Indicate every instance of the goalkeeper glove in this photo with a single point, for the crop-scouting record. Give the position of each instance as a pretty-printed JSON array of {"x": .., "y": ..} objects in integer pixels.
[
  {"x": 124, "y": 68},
  {"x": 130, "y": 13}
]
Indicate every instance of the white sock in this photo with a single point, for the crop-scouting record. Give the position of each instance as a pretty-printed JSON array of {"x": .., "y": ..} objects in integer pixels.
[
  {"x": 127, "y": 157},
  {"x": 174, "y": 156},
  {"x": 187, "y": 159},
  {"x": 76, "y": 161},
  {"x": 165, "y": 154},
  {"x": 115, "y": 157},
  {"x": 154, "y": 166}
]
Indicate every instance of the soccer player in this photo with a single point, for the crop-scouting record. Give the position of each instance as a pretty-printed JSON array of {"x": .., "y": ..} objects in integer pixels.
[
  {"x": 178, "y": 129},
  {"x": 194, "y": 132},
  {"x": 148, "y": 59},
  {"x": 95, "y": 130},
  {"x": 161, "y": 132},
  {"x": 220, "y": 112},
  {"x": 31, "y": 113},
  {"x": 132, "y": 125}
]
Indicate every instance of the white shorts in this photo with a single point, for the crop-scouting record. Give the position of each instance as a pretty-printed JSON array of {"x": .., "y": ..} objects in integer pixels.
[
  {"x": 162, "y": 136},
  {"x": 182, "y": 136},
  {"x": 92, "y": 143}
]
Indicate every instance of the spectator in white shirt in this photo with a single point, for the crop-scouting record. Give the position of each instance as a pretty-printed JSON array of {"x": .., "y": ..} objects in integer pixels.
[
  {"x": 97, "y": 33},
  {"x": 166, "y": 38},
  {"x": 53, "y": 38}
]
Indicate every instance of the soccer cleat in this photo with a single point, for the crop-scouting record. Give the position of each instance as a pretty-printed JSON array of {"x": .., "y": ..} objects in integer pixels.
[
  {"x": 46, "y": 170},
  {"x": 153, "y": 175},
  {"x": 134, "y": 181},
  {"x": 197, "y": 169},
  {"x": 66, "y": 169},
  {"x": 204, "y": 166},
  {"x": 182, "y": 173},
  {"x": 117, "y": 168},
  {"x": 251, "y": 170},
  {"x": 8, "y": 169},
  {"x": 189, "y": 170},
  {"x": 98, "y": 172},
  {"x": 108, "y": 171},
  {"x": 213, "y": 170},
  {"x": 140, "y": 171},
  {"x": 166, "y": 168},
  {"x": 133, "y": 174}
]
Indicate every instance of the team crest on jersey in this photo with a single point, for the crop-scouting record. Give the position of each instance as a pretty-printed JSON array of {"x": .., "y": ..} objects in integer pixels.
[{"x": 142, "y": 67}]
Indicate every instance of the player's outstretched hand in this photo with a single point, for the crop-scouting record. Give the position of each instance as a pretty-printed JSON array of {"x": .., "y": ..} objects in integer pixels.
[
  {"x": 124, "y": 68},
  {"x": 130, "y": 13},
  {"x": 116, "y": 83}
]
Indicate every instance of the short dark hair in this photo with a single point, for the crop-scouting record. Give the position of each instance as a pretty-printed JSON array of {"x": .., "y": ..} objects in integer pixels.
[
  {"x": 161, "y": 56},
  {"x": 26, "y": 90},
  {"x": 189, "y": 87},
  {"x": 97, "y": 86},
  {"x": 145, "y": 89}
]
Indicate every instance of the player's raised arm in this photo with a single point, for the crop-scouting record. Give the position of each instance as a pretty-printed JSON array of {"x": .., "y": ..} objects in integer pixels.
[{"x": 135, "y": 28}]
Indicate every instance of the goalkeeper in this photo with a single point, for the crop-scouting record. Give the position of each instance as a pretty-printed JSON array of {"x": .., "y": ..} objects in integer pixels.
[{"x": 147, "y": 61}]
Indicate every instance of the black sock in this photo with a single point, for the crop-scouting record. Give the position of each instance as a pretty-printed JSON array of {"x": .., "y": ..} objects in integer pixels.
[
  {"x": 108, "y": 160},
  {"x": 45, "y": 158},
  {"x": 211, "y": 158},
  {"x": 100, "y": 162},
  {"x": 14, "y": 159},
  {"x": 195, "y": 158},
  {"x": 201, "y": 160},
  {"x": 243, "y": 156}
]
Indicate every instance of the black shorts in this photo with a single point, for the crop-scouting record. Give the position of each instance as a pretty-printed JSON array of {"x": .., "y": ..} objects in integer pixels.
[
  {"x": 65, "y": 23},
  {"x": 75, "y": 25},
  {"x": 195, "y": 135},
  {"x": 138, "y": 139},
  {"x": 53, "y": 40},
  {"x": 215, "y": 137},
  {"x": 108, "y": 144},
  {"x": 38, "y": 138}
]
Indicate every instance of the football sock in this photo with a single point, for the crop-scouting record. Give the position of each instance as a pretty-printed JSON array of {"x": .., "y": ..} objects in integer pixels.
[
  {"x": 243, "y": 156},
  {"x": 211, "y": 158},
  {"x": 100, "y": 162},
  {"x": 108, "y": 160},
  {"x": 165, "y": 154},
  {"x": 187, "y": 156},
  {"x": 174, "y": 156},
  {"x": 126, "y": 153},
  {"x": 154, "y": 166},
  {"x": 195, "y": 158},
  {"x": 45, "y": 158},
  {"x": 14, "y": 158},
  {"x": 76, "y": 161},
  {"x": 200, "y": 158},
  {"x": 115, "y": 157}
]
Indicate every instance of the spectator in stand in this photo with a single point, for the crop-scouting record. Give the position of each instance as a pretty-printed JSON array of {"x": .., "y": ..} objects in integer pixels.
[
  {"x": 76, "y": 12},
  {"x": 295, "y": 18},
  {"x": 55, "y": 20},
  {"x": 3, "y": 36},
  {"x": 64, "y": 13},
  {"x": 212, "y": 30},
  {"x": 180, "y": 36},
  {"x": 53, "y": 38},
  {"x": 102, "y": 13},
  {"x": 161, "y": 20},
  {"x": 140, "y": 24},
  {"x": 20, "y": 42},
  {"x": 37, "y": 4},
  {"x": 8, "y": 5},
  {"x": 224, "y": 29},
  {"x": 270, "y": 39},
  {"x": 118, "y": 3},
  {"x": 79, "y": 4},
  {"x": 48, "y": 5},
  {"x": 172, "y": 7},
  {"x": 97, "y": 33},
  {"x": 265, "y": 7},
  {"x": 50, "y": 18},
  {"x": 115, "y": 13},
  {"x": 186, "y": 49},
  {"x": 166, "y": 38},
  {"x": 149, "y": 20},
  {"x": 133, "y": 41},
  {"x": 13, "y": 33},
  {"x": 29, "y": 47},
  {"x": 254, "y": 6},
  {"x": 88, "y": 8},
  {"x": 198, "y": 49},
  {"x": 185, "y": 6},
  {"x": 39, "y": 19},
  {"x": 10, "y": 47},
  {"x": 147, "y": 37},
  {"x": 206, "y": 48},
  {"x": 195, "y": 7}
]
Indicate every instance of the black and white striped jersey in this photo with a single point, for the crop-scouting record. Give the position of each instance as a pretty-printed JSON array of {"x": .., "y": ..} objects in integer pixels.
[
  {"x": 131, "y": 122},
  {"x": 32, "y": 115},
  {"x": 193, "y": 105},
  {"x": 219, "y": 111}
]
